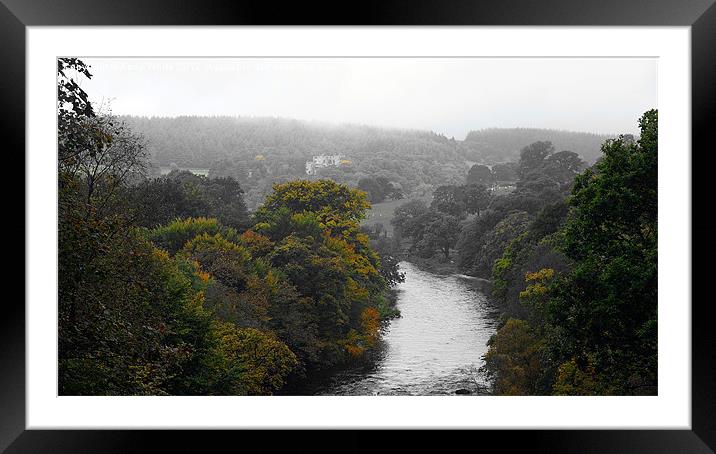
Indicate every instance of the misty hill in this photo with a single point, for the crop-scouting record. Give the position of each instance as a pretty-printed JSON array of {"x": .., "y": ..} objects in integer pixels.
[
  {"x": 200, "y": 141},
  {"x": 258, "y": 152},
  {"x": 504, "y": 144},
  {"x": 193, "y": 141}
]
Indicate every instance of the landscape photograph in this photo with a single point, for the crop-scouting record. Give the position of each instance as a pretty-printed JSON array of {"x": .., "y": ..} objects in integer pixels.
[{"x": 357, "y": 226}]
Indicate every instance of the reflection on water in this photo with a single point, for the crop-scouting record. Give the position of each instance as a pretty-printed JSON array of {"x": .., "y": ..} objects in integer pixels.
[{"x": 435, "y": 347}]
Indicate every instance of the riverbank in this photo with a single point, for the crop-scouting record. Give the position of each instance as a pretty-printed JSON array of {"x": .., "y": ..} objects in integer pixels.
[{"x": 437, "y": 345}]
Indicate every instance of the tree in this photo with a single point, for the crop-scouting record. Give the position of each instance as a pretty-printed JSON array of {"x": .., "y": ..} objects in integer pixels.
[
  {"x": 173, "y": 236},
  {"x": 109, "y": 156},
  {"x": 443, "y": 232},
  {"x": 514, "y": 359},
  {"x": 391, "y": 190},
  {"x": 480, "y": 174},
  {"x": 159, "y": 201},
  {"x": 372, "y": 188},
  {"x": 248, "y": 362},
  {"x": 532, "y": 157},
  {"x": 405, "y": 218},
  {"x": 563, "y": 167},
  {"x": 181, "y": 194},
  {"x": 505, "y": 171},
  {"x": 130, "y": 320},
  {"x": 333, "y": 203},
  {"x": 378, "y": 189},
  {"x": 225, "y": 201},
  {"x": 319, "y": 248},
  {"x": 472, "y": 237},
  {"x": 606, "y": 308},
  {"x": 390, "y": 270},
  {"x": 73, "y": 106},
  {"x": 476, "y": 198},
  {"x": 497, "y": 239},
  {"x": 449, "y": 199}
]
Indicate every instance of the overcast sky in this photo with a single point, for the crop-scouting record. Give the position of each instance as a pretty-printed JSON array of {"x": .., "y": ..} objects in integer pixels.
[{"x": 447, "y": 95}]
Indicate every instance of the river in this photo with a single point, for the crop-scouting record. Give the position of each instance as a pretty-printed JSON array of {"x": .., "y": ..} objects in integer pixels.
[{"x": 434, "y": 348}]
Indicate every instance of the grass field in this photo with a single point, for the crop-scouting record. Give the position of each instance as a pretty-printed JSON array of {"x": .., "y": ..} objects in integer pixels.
[{"x": 383, "y": 212}]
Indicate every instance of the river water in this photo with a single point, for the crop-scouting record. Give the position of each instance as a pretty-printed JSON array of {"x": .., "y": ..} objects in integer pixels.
[{"x": 434, "y": 348}]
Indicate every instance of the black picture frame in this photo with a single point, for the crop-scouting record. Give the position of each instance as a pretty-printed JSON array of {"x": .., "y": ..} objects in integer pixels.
[{"x": 16, "y": 15}]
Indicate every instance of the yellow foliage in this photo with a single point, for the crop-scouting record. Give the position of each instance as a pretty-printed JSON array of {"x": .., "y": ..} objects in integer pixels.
[
  {"x": 572, "y": 380},
  {"x": 203, "y": 275},
  {"x": 536, "y": 293},
  {"x": 370, "y": 322},
  {"x": 544, "y": 274}
]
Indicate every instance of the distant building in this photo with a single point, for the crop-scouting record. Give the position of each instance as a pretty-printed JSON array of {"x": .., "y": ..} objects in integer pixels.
[{"x": 323, "y": 161}]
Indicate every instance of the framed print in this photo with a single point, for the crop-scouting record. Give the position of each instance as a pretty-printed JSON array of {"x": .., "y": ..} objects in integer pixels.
[{"x": 448, "y": 217}]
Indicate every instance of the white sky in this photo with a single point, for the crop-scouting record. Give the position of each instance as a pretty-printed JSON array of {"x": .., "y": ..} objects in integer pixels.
[{"x": 447, "y": 95}]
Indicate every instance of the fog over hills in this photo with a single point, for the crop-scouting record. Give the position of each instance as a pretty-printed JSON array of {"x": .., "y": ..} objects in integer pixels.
[
  {"x": 504, "y": 144},
  {"x": 200, "y": 141}
]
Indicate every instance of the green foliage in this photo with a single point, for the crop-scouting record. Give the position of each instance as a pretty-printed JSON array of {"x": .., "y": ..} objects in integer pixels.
[
  {"x": 586, "y": 280},
  {"x": 497, "y": 239},
  {"x": 449, "y": 199},
  {"x": 441, "y": 233},
  {"x": 173, "y": 236},
  {"x": 247, "y": 362},
  {"x": 129, "y": 318},
  {"x": 606, "y": 308},
  {"x": 182, "y": 194},
  {"x": 321, "y": 251},
  {"x": 407, "y": 219},
  {"x": 514, "y": 359},
  {"x": 334, "y": 204},
  {"x": 378, "y": 189}
]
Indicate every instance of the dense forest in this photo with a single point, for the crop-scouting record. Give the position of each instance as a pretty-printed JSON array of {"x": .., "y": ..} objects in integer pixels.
[
  {"x": 259, "y": 152},
  {"x": 255, "y": 278}
]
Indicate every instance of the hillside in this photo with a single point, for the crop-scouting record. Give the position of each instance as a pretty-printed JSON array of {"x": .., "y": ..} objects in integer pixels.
[
  {"x": 200, "y": 141},
  {"x": 259, "y": 152}
]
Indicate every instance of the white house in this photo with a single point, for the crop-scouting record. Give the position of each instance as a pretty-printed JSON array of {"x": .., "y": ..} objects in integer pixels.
[{"x": 322, "y": 161}]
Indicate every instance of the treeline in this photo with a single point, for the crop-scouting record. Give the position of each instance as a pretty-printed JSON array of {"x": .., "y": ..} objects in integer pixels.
[
  {"x": 168, "y": 286},
  {"x": 259, "y": 152},
  {"x": 476, "y": 218},
  {"x": 504, "y": 144}
]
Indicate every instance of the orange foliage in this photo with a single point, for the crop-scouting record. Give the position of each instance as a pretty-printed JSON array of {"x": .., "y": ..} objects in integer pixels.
[{"x": 370, "y": 322}]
